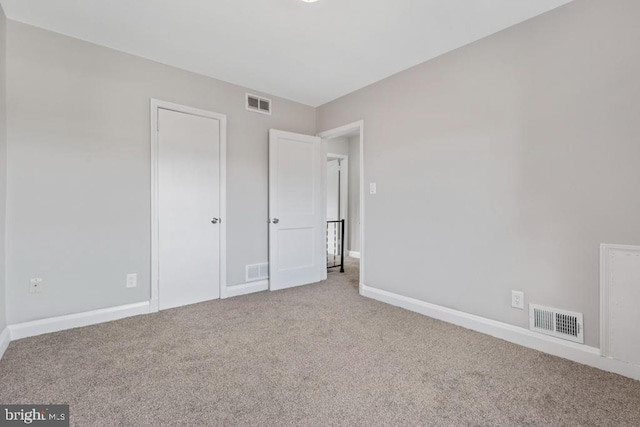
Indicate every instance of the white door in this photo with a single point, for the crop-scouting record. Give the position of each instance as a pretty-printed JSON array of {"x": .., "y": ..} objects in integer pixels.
[
  {"x": 188, "y": 208},
  {"x": 297, "y": 254},
  {"x": 621, "y": 297}
]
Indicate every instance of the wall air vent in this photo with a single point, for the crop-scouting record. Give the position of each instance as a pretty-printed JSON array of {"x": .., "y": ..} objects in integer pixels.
[
  {"x": 255, "y": 272},
  {"x": 258, "y": 104},
  {"x": 556, "y": 323}
]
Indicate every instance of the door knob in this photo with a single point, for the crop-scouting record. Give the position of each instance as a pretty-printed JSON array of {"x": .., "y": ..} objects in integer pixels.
[
  {"x": 214, "y": 220},
  {"x": 276, "y": 220}
]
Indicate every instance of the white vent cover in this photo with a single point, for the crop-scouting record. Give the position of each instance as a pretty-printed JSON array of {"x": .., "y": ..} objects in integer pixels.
[
  {"x": 557, "y": 323},
  {"x": 257, "y": 272},
  {"x": 258, "y": 104}
]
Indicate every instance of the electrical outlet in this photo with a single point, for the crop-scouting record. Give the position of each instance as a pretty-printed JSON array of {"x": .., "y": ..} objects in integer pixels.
[
  {"x": 132, "y": 280},
  {"x": 35, "y": 285},
  {"x": 517, "y": 299}
]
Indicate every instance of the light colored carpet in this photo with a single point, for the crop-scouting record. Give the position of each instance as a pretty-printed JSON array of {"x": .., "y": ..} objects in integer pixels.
[{"x": 315, "y": 355}]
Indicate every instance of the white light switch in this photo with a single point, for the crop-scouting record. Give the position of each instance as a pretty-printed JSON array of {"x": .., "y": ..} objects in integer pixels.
[
  {"x": 372, "y": 188},
  {"x": 132, "y": 280}
]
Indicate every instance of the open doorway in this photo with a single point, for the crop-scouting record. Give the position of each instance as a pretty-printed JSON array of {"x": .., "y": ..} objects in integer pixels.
[
  {"x": 337, "y": 204},
  {"x": 344, "y": 201},
  {"x": 298, "y": 244}
]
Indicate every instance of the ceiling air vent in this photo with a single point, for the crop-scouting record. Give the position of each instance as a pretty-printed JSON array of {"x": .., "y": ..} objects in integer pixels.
[
  {"x": 258, "y": 104},
  {"x": 557, "y": 323}
]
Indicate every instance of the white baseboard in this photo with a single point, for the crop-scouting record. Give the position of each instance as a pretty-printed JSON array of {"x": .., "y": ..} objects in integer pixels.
[
  {"x": 580, "y": 353},
  {"x": 154, "y": 305},
  {"x": 247, "y": 288},
  {"x": 354, "y": 254},
  {"x": 70, "y": 321},
  {"x": 5, "y": 339}
]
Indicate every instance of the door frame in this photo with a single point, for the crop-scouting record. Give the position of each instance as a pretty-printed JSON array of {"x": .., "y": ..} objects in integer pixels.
[
  {"x": 344, "y": 195},
  {"x": 155, "y": 106},
  {"x": 343, "y": 131}
]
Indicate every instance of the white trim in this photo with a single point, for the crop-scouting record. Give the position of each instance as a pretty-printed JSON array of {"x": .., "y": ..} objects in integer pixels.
[
  {"x": 323, "y": 173},
  {"x": 5, "y": 340},
  {"x": 605, "y": 274},
  {"x": 70, "y": 321},
  {"x": 155, "y": 105},
  {"x": 566, "y": 349},
  {"x": 354, "y": 254},
  {"x": 246, "y": 288},
  {"x": 341, "y": 131}
]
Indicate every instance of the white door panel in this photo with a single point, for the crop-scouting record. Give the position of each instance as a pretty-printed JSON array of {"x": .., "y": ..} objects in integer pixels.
[
  {"x": 188, "y": 200},
  {"x": 623, "y": 318},
  {"x": 296, "y": 209}
]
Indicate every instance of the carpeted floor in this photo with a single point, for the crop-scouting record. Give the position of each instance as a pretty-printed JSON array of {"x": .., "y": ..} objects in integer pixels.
[{"x": 314, "y": 355}]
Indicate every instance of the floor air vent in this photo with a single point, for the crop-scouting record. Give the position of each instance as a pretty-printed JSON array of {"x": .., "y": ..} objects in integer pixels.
[
  {"x": 256, "y": 272},
  {"x": 557, "y": 323},
  {"x": 258, "y": 104}
]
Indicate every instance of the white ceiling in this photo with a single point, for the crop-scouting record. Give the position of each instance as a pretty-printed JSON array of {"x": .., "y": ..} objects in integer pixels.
[{"x": 307, "y": 52}]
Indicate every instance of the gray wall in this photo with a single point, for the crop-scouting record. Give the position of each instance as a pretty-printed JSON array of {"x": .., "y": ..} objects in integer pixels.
[
  {"x": 78, "y": 180},
  {"x": 3, "y": 163},
  {"x": 339, "y": 145},
  {"x": 503, "y": 165},
  {"x": 354, "y": 193}
]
